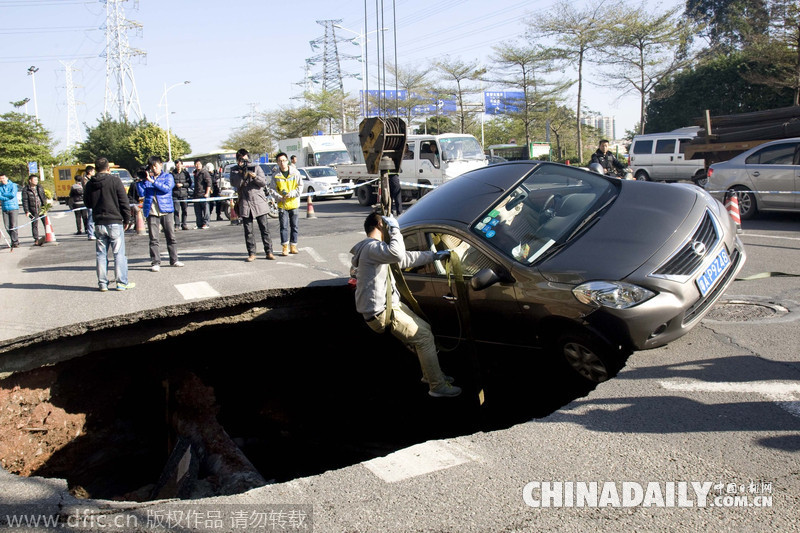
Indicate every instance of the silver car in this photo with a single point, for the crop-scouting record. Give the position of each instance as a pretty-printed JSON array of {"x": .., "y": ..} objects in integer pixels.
[
  {"x": 766, "y": 178},
  {"x": 557, "y": 257}
]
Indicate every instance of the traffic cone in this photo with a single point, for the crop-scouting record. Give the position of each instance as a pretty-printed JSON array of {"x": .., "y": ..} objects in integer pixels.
[
  {"x": 140, "y": 227},
  {"x": 310, "y": 207},
  {"x": 732, "y": 206},
  {"x": 49, "y": 236}
]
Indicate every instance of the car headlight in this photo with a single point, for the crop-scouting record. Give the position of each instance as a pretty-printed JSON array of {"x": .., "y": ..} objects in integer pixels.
[{"x": 613, "y": 294}]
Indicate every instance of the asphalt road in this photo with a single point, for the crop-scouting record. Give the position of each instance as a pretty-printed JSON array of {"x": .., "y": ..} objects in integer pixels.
[{"x": 719, "y": 407}]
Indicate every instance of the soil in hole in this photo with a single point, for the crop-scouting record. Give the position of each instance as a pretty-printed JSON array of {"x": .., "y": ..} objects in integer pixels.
[{"x": 298, "y": 397}]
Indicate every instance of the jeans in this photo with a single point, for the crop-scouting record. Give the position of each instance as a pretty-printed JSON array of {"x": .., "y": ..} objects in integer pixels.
[
  {"x": 10, "y": 221},
  {"x": 181, "y": 210},
  {"x": 90, "y": 225},
  {"x": 288, "y": 222},
  {"x": 168, "y": 222},
  {"x": 111, "y": 236},
  {"x": 202, "y": 213},
  {"x": 416, "y": 334},
  {"x": 250, "y": 238}
]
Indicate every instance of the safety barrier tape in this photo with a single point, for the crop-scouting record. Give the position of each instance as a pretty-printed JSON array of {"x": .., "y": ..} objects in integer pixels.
[
  {"x": 759, "y": 192},
  {"x": 762, "y": 275}
]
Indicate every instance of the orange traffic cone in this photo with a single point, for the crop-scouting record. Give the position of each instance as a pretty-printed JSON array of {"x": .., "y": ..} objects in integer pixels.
[
  {"x": 732, "y": 205},
  {"x": 49, "y": 236},
  {"x": 310, "y": 207},
  {"x": 140, "y": 227}
]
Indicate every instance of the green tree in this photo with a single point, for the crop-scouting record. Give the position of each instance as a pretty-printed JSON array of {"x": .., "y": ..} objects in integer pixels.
[
  {"x": 527, "y": 69},
  {"x": 436, "y": 125},
  {"x": 255, "y": 138},
  {"x": 149, "y": 139},
  {"x": 23, "y": 139},
  {"x": 107, "y": 139},
  {"x": 648, "y": 47},
  {"x": 716, "y": 85},
  {"x": 578, "y": 34},
  {"x": 729, "y": 24},
  {"x": 460, "y": 73}
]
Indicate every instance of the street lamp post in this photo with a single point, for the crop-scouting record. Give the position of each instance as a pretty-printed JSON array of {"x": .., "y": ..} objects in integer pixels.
[
  {"x": 32, "y": 73},
  {"x": 360, "y": 39},
  {"x": 166, "y": 109}
]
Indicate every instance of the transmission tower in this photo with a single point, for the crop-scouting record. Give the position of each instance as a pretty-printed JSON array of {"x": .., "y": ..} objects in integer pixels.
[
  {"x": 120, "y": 83},
  {"x": 331, "y": 78},
  {"x": 73, "y": 129}
]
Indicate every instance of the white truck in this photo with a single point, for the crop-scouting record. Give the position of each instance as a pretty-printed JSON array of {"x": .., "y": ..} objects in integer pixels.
[
  {"x": 316, "y": 150},
  {"x": 429, "y": 160}
]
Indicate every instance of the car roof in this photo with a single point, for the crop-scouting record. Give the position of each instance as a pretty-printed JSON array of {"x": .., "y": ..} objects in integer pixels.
[
  {"x": 466, "y": 197},
  {"x": 751, "y": 151}
]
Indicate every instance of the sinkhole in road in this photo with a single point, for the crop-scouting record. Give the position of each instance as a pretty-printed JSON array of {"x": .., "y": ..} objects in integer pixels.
[{"x": 274, "y": 388}]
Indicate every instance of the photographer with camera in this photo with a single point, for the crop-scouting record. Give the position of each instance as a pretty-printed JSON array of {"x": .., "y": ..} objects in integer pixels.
[
  {"x": 158, "y": 208},
  {"x": 250, "y": 183},
  {"x": 202, "y": 190}
]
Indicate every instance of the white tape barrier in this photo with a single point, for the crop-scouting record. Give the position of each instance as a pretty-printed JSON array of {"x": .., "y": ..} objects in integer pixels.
[{"x": 759, "y": 192}]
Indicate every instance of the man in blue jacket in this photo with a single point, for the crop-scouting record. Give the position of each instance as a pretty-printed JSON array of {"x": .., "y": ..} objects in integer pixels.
[
  {"x": 8, "y": 196},
  {"x": 156, "y": 188}
]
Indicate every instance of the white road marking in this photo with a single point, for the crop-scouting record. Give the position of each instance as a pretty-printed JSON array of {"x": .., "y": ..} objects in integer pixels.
[
  {"x": 785, "y": 394},
  {"x": 770, "y": 236},
  {"x": 313, "y": 253},
  {"x": 200, "y": 289},
  {"x": 416, "y": 460}
]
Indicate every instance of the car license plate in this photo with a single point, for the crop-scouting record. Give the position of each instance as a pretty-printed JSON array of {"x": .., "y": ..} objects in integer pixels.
[
  {"x": 339, "y": 189},
  {"x": 709, "y": 278}
]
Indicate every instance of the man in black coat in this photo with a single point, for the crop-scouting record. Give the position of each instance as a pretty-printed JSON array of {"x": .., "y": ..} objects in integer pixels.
[
  {"x": 183, "y": 182},
  {"x": 202, "y": 190}
]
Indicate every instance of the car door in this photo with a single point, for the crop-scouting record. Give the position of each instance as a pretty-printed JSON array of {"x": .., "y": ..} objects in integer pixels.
[
  {"x": 685, "y": 169},
  {"x": 408, "y": 165},
  {"x": 773, "y": 170},
  {"x": 664, "y": 155},
  {"x": 493, "y": 312}
]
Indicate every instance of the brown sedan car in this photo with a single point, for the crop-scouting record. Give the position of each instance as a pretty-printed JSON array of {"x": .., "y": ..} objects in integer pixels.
[{"x": 561, "y": 258}]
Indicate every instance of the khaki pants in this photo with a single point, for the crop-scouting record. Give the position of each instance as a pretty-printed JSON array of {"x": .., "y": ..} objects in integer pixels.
[{"x": 416, "y": 334}]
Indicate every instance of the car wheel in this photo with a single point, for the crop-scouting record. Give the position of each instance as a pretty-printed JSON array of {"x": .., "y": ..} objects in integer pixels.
[
  {"x": 642, "y": 176},
  {"x": 700, "y": 179},
  {"x": 747, "y": 203},
  {"x": 366, "y": 196},
  {"x": 272, "y": 208},
  {"x": 590, "y": 357},
  {"x": 226, "y": 209}
]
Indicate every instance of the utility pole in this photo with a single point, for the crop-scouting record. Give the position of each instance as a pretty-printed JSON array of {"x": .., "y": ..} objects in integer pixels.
[{"x": 120, "y": 83}]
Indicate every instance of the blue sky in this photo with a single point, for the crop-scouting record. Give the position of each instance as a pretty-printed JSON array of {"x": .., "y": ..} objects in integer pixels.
[{"x": 242, "y": 55}]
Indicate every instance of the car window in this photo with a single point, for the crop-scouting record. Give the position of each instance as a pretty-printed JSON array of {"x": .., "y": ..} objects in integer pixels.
[
  {"x": 544, "y": 211},
  {"x": 409, "y": 151},
  {"x": 683, "y": 145},
  {"x": 321, "y": 172},
  {"x": 665, "y": 146},
  {"x": 472, "y": 259},
  {"x": 642, "y": 147},
  {"x": 777, "y": 154}
]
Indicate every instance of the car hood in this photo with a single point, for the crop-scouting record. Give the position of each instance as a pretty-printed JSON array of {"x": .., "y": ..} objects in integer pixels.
[{"x": 641, "y": 220}]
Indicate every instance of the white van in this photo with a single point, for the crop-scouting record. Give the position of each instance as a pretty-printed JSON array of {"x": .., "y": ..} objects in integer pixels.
[{"x": 659, "y": 156}]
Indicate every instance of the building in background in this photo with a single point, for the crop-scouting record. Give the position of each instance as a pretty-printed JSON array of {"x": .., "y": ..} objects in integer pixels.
[{"x": 607, "y": 126}]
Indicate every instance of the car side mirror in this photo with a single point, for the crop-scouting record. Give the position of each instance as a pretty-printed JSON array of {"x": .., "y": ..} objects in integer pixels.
[{"x": 487, "y": 277}]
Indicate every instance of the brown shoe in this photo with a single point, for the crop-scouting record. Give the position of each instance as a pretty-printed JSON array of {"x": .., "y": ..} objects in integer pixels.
[
  {"x": 250, "y": 258},
  {"x": 293, "y": 249},
  {"x": 285, "y": 251},
  {"x": 270, "y": 255}
]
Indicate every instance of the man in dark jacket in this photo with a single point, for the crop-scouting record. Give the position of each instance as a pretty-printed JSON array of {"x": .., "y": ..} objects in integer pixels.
[
  {"x": 33, "y": 199},
  {"x": 605, "y": 158},
  {"x": 105, "y": 195},
  {"x": 202, "y": 190},
  {"x": 183, "y": 182},
  {"x": 250, "y": 182},
  {"x": 75, "y": 203}
]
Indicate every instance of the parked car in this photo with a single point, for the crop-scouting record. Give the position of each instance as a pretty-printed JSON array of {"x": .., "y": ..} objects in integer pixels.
[
  {"x": 766, "y": 178},
  {"x": 659, "y": 156},
  {"x": 557, "y": 257},
  {"x": 323, "y": 182}
]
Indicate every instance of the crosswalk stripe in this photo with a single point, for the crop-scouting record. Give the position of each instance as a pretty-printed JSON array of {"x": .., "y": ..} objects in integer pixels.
[{"x": 199, "y": 289}]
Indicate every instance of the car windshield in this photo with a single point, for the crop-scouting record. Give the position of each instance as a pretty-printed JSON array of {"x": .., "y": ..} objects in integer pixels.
[
  {"x": 461, "y": 148},
  {"x": 320, "y": 172},
  {"x": 544, "y": 211},
  {"x": 333, "y": 158}
]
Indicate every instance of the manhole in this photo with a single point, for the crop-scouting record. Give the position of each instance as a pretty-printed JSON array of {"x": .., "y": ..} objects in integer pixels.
[{"x": 745, "y": 311}]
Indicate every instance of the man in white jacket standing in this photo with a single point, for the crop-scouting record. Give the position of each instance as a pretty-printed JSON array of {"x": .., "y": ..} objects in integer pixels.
[{"x": 371, "y": 259}]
